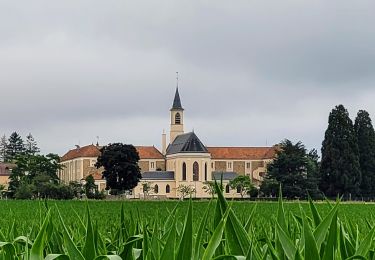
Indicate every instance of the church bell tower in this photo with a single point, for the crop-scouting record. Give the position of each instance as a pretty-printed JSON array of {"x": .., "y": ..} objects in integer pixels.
[{"x": 177, "y": 117}]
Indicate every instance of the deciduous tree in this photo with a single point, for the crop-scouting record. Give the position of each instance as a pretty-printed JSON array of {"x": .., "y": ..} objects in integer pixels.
[
  {"x": 242, "y": 184},
  {"x": 185, "y": 190},
  {"x": 120, "y": 163}
]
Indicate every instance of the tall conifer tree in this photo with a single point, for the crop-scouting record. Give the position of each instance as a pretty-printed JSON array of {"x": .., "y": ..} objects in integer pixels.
[
  {"x": 3, "y": 148},
  {"x": 366, "y": 144},
  {"x": 31, "y": 146},
  {"x": 340, "y": 170},
  {"x": 15, "y": 147}
]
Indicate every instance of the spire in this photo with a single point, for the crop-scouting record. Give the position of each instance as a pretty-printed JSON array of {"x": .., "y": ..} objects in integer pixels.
[{"x": 177, "y": 101}]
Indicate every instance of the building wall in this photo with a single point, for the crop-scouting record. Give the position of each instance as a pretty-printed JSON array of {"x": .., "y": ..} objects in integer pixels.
[
  {"x": 161, "y": 165},
  {"x": 220, "y": 166},
  {"x": 175, "y": 163},
  {"x": 144, "y": 165},
  {"x": 239, "y": 167},
  {"x": 4, "y": 180},
  {"x": 138, "y": 191}
]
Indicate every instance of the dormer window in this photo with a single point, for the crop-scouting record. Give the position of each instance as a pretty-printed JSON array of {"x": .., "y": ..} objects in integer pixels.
[{"x": 177, "y": 119}]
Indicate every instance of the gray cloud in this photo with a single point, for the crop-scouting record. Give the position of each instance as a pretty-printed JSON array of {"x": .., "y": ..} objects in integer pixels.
[{"x": 251, "y": 73}]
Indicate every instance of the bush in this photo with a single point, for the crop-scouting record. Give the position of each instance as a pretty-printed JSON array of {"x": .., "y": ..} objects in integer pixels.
[
  {"x": 24, "y": 191},
  {"x": 96, "y": 195}
]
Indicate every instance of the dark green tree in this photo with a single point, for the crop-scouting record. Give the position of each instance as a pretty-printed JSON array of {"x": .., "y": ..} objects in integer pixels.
[
  {"x": 120, "y": 163},
  {"x": 90, "y": 186},
  {"x": 340, "y": 169},
  {"x": 15, "y": 147},
  {"x": 28, "y": 167},
  {"x": 242, "y": 184},
  {"x": 31, "y": 146},
  {"x": 295, "y": 170},
  {"x": 366, "y": 145},
  {"x": 3, "y": 148}
]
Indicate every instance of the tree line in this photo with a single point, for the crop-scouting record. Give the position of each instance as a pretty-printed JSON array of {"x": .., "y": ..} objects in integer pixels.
[
  {"x": 346, "y": 168},
  {"x": 35, "y": 175}
]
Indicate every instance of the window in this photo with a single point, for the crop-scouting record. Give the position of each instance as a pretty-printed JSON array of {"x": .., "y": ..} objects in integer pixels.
[
  {"x": 229, "y": 165},
  {"x": 227, "y": 188},
  {"x": 184, "y": 171},
  {"x": 205, "y": 171},
  {"x": 156, "y": 189},
  {"x": 248, "y": 165},
  {"x": 167, "y": 189},
  {"x": 177, "y": 119},
  {"x": 152, "y": 165},
  {"x": 195, "y": 171},
  {"x": 212, "y": 166},
  {"x": 239, "y": 189}
]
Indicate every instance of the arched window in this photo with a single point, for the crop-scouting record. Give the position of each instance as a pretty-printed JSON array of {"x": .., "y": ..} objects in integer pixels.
[
  {"x": 205, "y": 171},
  {"x": 177, "y": 119},
  {"x": 195, "y": 171},
  {"x": 227, "y": 188},
  {"x": 184, "y": 171},
  {"x": 239, "y": 189},
  {"x": 156, "y": 189},
  {"x": 167, "y": 189}
]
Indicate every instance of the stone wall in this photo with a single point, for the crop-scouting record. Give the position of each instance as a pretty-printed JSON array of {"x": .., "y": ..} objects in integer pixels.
[
  {"x": 220, "y": 166},
  {"x": 144, "y": 165},
  {"x": 257, "y": 164},
  {"x": 239, "y": 167},
  {"x": 160, "y": 165},
  {"x": 86, "y": 169}
]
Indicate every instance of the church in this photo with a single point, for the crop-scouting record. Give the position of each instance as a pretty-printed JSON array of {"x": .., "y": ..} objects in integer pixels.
[{"x": 184, "y": 161}]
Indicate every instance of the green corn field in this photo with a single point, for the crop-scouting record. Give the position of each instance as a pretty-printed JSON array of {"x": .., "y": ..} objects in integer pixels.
[{"x": 214, "y": 230}]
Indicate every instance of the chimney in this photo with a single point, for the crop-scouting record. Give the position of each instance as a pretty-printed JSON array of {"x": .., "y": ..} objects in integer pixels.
[{"x": 164, "y": 143}]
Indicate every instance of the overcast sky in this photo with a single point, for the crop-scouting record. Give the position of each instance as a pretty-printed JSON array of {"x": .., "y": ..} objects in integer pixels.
[{"x": 251, "y": 72}]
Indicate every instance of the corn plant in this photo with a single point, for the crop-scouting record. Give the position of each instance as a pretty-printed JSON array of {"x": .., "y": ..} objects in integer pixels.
[{"x": 220, "y": 233}]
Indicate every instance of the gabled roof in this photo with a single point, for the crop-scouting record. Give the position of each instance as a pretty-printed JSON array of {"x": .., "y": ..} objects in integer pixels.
[
  {"x": 186, "y": 143},
  {"x": 177, "y": 101},
  {"x": 242, "y": 153},
  {"x": 158, "y": 175},
  {"x": 226, "y": 176},
  {"x": 93, "y": 151},
  {"x": 149, "y": 152},
  {"x": 85, "y": 151}
]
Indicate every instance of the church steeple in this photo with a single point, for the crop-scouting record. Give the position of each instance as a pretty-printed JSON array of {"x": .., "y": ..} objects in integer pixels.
[
  {"x": 177, "y": 101},
  {"x": 177, "y": 116}
]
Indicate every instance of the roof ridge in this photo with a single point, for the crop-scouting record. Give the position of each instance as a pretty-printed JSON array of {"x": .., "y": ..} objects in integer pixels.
[{"x": 239, "y": 146}]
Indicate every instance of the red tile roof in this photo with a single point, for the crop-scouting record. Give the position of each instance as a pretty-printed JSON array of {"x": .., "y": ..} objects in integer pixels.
[
  {"x": 85, "y": 151},
  {"x": 149, "y": 152},
  {"x": 145, "y": 152},
  {"x": 242, "y": 153}
]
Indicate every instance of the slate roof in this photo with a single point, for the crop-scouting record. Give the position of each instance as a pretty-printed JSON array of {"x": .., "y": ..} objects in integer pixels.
[
  {"x": 158, "y": 175},
  {"x": 177, "y": 101},
  {"x": 243, "y": 153},
  {"x": 186, "y": 143},
  {"x": 227, "y": 176},
  {"x": 93, "y": 151}
]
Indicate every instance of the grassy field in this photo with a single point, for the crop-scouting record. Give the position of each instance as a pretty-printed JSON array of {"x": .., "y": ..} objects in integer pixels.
[{"x": 22, "y": 221}]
